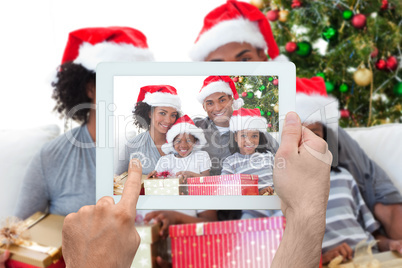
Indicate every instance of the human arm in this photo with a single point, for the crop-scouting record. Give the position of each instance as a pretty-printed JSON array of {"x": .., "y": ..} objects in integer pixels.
[
  {"x": 104, "y": 235},
  {"x": 33, "y": 196},
  {"x": 152, "y": 174},
  {"x": 302, "y": 158},
  {"x": 343, "y": 250},
  {"x": 386, "y": 244},
  {"x": 167, "y": 218}
]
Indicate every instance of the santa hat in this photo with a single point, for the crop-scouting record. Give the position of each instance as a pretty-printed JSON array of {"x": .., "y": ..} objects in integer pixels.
[
  {"x": 160, "y": 95},
  {"x": 313, "y": 103},
  {"x": 89, "y": 46},
  {"x": 247, "y": 119},
  {"x": 224, "y": 84},
  {"x": 234, "y": 22},
  {"x": 183, "y": 125}
]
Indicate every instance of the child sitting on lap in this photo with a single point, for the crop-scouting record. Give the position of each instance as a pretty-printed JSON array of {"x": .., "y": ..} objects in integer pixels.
[
  {"x": 252, "y": 156},
  {"x": 183, "y": 157}
]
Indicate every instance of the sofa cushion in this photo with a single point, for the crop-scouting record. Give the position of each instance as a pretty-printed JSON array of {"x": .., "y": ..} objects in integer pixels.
[
  {"x": 17, "y": 147},
  {"x": 383, "y": 144}
]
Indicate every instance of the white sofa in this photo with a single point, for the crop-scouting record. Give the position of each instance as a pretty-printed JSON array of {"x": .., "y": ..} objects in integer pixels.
[{"x": 17, "y": 147}]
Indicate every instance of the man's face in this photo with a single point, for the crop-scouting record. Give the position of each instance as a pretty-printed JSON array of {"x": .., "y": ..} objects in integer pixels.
[
  {"x": 237, "y": 52},
  {"x": 219, "y": 108}
]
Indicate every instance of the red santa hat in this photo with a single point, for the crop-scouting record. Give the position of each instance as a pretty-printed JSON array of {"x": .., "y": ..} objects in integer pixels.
[
  {"x": 160, "y": 95},
  {"x": 89, "y": 46},
  {"x": 183, "y": 125},
  {"x": 313, "y": 103},
  {"x": 234, "y": 22},
  {"x": 224, "y": 84},
  {"x": 247, "y": 119}
]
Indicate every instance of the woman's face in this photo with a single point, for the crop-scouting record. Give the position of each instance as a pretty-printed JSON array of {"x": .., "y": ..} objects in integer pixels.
[
  {"x": 247, "y": 140},
  {"x": 183, "y": 144},
  {"x": 162, "y": 118}
]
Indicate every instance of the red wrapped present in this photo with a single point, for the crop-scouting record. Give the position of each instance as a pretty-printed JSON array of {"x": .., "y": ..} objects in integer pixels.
[
  {"x": 248, "y": 243},
  {"x": 233, "y": 184}
]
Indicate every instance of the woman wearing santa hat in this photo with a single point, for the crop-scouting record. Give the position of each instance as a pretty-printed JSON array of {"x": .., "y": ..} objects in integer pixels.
[{"x": 61, "y": 177}]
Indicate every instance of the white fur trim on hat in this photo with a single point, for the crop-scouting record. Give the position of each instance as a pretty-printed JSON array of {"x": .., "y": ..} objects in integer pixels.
[
  {"x": 237, "y": 104},
  {"x": 184, "y": 128},
  {"x": 90, "y": 55},
  {"x": 317, "y": 108},
  {"x": 238, "y": 123},
  {"x": 163, "y": 99},
  {"x": 238, "y": 30},
  {"x": 214, "y": 87}
]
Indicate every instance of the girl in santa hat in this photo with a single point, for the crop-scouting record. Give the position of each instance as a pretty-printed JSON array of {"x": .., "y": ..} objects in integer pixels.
[
  {"x": 184, "y": 157},
  {"x": 252, "y": 156}
]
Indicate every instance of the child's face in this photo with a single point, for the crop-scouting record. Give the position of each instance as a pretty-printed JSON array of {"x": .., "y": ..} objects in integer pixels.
[
  {"x": 162, "y": 118},
  {"x": 316, "y": 128},
  {"x": 247, "y": 140},
  {"x": 183, "y": 144}
]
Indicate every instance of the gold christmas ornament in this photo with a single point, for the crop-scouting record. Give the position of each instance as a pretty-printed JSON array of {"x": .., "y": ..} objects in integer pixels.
[
  {"x": 257, "y": 3},
  {"x": 363, "y": 76},
  {"x": 240, "y": 79},
  {"x": 276, "y": 108},
  {"x": 283, "y": 15}
]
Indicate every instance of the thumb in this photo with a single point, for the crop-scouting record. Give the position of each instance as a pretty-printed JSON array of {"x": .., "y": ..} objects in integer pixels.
[
  {"x": 4, "y": 257},
  {"x": 291, "y": 134}
]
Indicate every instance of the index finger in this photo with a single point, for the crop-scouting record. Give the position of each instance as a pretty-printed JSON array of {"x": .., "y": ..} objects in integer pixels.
[{"x": 132, "y": 187}]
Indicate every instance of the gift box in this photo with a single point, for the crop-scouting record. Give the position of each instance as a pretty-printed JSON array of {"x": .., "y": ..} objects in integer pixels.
[
  {"x": 168, "y": 186},
  {"x": 239, "y": 243},
  {"x": 233, "y": 184},
  {"x": 120, "y": 180},
  {"x": 150, "y": 247},
  {"x": 40, "y": 246}
]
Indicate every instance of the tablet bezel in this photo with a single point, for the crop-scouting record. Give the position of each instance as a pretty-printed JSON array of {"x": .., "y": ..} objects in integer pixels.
[{"x": 286, "y": 72}]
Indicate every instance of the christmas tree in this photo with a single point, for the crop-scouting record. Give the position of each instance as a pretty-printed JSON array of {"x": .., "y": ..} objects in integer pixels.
[{"x": 360, "y": 62}]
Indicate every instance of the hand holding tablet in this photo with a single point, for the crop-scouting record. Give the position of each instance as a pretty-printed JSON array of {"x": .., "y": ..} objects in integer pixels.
[{"x": 104, "y": 235}]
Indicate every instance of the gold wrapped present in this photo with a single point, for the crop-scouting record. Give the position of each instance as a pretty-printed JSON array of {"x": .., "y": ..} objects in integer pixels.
[
  {"x": 168, "y": 186},
  {"x": 35, "y": 241}
]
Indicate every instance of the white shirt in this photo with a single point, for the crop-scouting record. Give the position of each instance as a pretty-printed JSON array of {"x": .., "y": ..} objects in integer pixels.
[{"x": 197, "y": 162}]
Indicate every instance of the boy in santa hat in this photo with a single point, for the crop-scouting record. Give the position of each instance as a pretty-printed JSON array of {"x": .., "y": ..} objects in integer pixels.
[
  {"x": 238, "y": 31},
  {"x": 61, "y": 177},
  {"x": 348, "y": 219}
]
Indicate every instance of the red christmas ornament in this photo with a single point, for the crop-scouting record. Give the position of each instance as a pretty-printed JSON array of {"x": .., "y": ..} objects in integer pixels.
[
  {"x": 359, "y": 21},
  {"x": 384, "y": 5},
  {"x": 275, "y": 82},
  {"x": 272, "y": 15},
  {"x": 269, "y": 125},
  {"x": 244, "y": 94},
  {"x": 392, "y": 63},
  {"x": 381, "y": 64},
  {"x": 291, "y": 47},
  {"x": 296, "y": 4},
  {"x": 374, "y": 53},
  {"x": 345, "y": 113},
  {"x": 235, "y": 79}
]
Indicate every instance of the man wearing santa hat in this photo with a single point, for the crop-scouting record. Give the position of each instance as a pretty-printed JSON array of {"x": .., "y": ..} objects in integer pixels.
[
  {"x": 238, "y": 31},
  {"x": 61, "y": 177}
]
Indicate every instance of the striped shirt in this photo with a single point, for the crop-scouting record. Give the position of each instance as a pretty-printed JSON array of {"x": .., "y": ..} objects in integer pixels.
[
  {"x": 260, "y": 164},
  {"x": 348, "y": 219}
]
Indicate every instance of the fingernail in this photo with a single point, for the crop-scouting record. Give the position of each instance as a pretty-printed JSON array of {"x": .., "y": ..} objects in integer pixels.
[{"x": 291, "y": 118}]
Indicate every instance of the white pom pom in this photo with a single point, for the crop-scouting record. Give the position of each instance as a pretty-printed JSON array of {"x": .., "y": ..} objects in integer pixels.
[
  {"x": 237, "y": 104},
  {"x": 281, "y": 57}
]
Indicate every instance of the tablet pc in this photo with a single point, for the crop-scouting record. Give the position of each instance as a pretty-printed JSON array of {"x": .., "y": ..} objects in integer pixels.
[{"x": 118, "y": 85}]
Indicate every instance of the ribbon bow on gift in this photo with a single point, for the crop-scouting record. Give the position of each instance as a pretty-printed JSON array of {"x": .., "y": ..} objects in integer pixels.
[
  {"x": 13, "y": 232},
  {"x": 164, "y": 174}
]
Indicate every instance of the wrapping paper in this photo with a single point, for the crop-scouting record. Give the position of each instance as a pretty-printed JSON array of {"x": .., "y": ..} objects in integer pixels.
[{"x": 240, "y": 243}]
